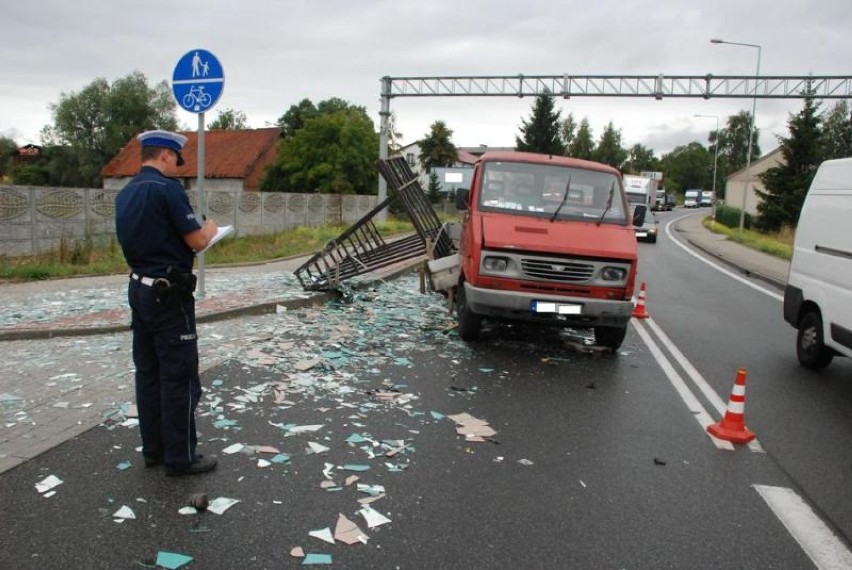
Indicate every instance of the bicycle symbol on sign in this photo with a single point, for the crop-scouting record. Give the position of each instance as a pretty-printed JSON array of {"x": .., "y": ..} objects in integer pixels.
[{"x": 197, "y": 98}]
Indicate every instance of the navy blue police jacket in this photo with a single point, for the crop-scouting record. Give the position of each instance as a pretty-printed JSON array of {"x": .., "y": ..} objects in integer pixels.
[{"x": 152, "y": 214}]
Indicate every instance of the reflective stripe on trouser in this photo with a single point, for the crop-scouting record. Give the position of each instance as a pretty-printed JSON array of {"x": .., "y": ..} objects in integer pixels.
[{"x": 165, "y": 352}]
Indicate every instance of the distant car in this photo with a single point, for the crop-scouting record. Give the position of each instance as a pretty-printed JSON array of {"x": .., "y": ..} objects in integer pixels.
[{"x": 647, "y": 232}]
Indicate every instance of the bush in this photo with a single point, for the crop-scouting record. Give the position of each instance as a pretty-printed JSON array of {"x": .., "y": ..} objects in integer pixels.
[{"x": 730, "y": 216}]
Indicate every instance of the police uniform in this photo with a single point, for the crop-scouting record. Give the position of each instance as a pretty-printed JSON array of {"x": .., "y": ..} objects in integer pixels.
[{"x": 153, "y": 214}]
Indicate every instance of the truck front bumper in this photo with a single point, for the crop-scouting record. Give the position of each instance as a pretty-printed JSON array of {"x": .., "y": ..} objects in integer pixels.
[{"x": 568, "y": 311}]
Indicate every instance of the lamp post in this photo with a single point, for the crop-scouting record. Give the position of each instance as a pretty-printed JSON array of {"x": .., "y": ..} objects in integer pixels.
[
  {"x": 715, "y": 162},
  {"x": 751, "y": 126}
]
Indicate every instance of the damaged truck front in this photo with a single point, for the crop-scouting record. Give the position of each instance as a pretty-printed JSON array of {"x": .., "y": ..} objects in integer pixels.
[{"x": 546, "y": 239}]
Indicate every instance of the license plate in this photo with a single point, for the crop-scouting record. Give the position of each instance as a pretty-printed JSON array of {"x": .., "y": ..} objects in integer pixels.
[
  {"x": 557, "y": 308},
  {"x": 641, "y": 234}
]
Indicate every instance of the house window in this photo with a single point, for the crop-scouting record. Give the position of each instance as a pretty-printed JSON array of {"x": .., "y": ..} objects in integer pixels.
[{"x": 409, "y": 157}]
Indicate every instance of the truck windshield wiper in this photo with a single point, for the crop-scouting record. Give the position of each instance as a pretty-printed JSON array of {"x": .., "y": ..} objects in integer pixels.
[
  {"x": 564, "y": 199},
  {"x": 608, "y": 202}
]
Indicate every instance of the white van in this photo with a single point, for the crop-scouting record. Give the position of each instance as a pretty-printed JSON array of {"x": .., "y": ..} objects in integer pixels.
[{"x": 818, "y": 296}]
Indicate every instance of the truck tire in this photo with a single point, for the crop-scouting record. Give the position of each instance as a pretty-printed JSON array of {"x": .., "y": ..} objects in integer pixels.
[
  {"x": 470, "y": 324},
  {"x": 611, "y": 337},
  {"x": 812, "y": 352}
]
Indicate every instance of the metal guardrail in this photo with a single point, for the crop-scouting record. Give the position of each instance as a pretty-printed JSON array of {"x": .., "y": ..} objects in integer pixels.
[{"x": 361, "y": 249}]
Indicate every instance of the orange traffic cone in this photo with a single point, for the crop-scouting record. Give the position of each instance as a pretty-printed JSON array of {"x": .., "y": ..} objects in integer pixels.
[
  {"x": 732, "y": 427},
  {"x": 639, "y": 311}
]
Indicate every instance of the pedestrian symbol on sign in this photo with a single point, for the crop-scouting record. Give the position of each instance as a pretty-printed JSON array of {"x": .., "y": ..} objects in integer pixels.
[{"x": 200, "y": 67}]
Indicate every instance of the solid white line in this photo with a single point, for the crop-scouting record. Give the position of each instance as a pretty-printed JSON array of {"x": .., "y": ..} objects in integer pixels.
[
  {"x": 692, "y": 403},
  {"x": 697, "y": 379},
  {"x": 816, "y": 539},
  {"x": 717, "y": 267}
]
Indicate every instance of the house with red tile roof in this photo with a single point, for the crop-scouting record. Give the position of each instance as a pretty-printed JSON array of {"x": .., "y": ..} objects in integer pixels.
[{"x": 233, "y": 160}]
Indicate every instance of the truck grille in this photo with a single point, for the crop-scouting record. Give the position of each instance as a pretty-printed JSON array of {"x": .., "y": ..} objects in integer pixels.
[{"x": 555, "y": 270}]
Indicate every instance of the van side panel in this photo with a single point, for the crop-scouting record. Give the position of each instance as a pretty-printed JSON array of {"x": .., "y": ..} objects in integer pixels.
[{"x": 822, "y": 258}]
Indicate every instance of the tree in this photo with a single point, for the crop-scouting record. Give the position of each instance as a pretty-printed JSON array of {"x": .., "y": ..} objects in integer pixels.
[
  {"x": 99, "y": 120},
  {"x": 542, "y": 132},
  {"x": 229, "y": 120},
  {"x": 569, "y": 131},
  {"x": 640, "y": 159},
  {"x": 434, "y": 190},
  {"x": 332, "y": 152},
  {"x": 7, "y": 152},
  {"x": 582, "y": 145},
  {"x": 609, "y": 150},
  {"x": 836, "y": 137},
  {"x": 733, "y": 144},
  {"x": 686, "y": 167},
  {"x": 437, "y": 148},
  {"x": 786, "y": 185},
  {"x": 296, "y": 116}
]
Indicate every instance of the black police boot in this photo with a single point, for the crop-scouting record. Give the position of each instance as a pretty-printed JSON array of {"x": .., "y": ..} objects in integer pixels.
[{"x": 200, "y": 464}]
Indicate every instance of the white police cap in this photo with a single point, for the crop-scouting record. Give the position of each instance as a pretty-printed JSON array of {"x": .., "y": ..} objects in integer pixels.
[{"x": 164, "y": 139}]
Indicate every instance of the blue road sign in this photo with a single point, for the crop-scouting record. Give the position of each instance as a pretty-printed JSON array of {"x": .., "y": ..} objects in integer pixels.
[{"x": 198, "y": 81}]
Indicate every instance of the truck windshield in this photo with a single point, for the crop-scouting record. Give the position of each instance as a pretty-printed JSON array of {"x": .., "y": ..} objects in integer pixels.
[
  {"x": 634, "y": 198},
  {"x": 538, "y": 190}
]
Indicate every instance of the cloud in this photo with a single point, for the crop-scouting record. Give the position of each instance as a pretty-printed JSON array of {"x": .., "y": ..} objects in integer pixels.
[{"x": 276, "y": 53}]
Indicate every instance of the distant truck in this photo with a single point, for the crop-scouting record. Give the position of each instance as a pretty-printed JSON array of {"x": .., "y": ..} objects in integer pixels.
[
  {"x": 707, "y": 199},
  {"x": 692, "y": 198},
  {"x": 641, "y": 190},
  {"x": 665, "y": 201}
]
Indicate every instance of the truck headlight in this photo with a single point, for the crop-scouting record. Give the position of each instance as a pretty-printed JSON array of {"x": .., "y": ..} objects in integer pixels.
[
  {"x": 495, "y": 264},
  {"x": 613, "y": 274}
]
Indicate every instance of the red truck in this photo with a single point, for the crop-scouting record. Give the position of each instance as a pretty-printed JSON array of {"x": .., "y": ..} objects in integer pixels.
[{"x": 547, "y": 239}]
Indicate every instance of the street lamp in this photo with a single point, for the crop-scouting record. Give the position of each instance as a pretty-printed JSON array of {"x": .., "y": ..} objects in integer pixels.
[
  {"x": 751, "y": 126},
  {"x": 715, "y": 161}
]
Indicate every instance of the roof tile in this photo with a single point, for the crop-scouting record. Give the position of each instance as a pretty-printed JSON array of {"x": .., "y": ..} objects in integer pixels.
[{"x": 227, "y": 154}]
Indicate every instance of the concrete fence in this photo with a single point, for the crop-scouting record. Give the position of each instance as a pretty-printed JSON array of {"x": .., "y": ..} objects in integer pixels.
[{"x": 37, "y": 219}]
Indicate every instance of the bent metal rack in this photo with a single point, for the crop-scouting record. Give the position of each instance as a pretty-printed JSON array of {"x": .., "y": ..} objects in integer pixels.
[{"x": 360, "y": 249}]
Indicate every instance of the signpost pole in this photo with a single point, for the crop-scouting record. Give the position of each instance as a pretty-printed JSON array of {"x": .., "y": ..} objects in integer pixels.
[
  {"x": 202, "y": 199},
  {"x": 197, "y": 84}
]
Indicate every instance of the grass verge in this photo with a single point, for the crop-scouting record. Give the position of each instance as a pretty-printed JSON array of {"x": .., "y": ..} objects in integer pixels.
[
  {"x": 89, "y": 257},
  {"x": 779, "y": 244}
]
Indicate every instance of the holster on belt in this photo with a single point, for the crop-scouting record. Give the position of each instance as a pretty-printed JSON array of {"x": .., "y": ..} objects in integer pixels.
[{"x": 176, "y": 288}]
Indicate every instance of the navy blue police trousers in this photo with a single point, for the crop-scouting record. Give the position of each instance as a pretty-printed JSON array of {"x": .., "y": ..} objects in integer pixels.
[{"x": 165, "y": 352}]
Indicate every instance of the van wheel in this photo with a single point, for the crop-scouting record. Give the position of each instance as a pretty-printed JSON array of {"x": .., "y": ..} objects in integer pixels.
[
  {"x": 611, "y": 337},
  {"x": 469, "y": 323},
  {"x": 812, "y": 353}
]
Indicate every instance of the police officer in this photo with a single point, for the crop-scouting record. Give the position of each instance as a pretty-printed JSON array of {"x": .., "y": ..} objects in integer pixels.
[{"x": 159, "y": 232}]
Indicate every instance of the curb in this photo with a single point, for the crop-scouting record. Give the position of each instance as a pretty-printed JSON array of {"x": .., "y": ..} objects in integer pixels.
[
  {"x": 264, "y": 308},
  {"x": 740, "y": 267}
]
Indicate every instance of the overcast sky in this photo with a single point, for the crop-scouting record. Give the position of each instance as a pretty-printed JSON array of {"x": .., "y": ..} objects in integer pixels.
[{"x": 275, "y": 53}]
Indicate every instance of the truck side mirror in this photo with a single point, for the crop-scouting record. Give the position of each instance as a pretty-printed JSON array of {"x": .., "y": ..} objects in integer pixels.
[
  {"x": 462, "y": 195},
  {"x": 639, "y": 211}
]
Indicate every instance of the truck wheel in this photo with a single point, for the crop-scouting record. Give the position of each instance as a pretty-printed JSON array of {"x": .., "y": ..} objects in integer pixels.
[
  {"x": 611, "y": 337},
  {"x": 469, "y": 323},
  {"x": 812, "y": 353}
]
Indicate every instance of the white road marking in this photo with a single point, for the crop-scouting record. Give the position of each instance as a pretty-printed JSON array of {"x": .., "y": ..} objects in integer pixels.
[
  {"x": 816, "y": 539},
  {"x": 718, "y": 267},
  {"x": 697, "y": 378},
  {"x": 692, "y": 403}
]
